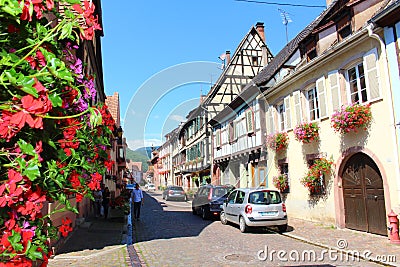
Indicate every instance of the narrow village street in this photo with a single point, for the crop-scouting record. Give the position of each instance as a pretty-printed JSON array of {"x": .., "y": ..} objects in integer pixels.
[{"x": 168, "y": 234}]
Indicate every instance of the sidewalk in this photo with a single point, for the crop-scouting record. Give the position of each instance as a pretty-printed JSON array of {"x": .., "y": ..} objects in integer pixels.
[
  {"x": 96, "y": 242},
  {"x": 371, "y": 247}
]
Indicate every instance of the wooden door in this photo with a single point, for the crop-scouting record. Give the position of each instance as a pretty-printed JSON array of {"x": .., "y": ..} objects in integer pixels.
[{"x": 364, "y": 201}]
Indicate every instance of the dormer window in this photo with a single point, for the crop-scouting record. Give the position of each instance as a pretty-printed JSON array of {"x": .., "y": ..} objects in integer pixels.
[
  {"x": 344, "y": 27},
  {"x": 311, "y": 50}
]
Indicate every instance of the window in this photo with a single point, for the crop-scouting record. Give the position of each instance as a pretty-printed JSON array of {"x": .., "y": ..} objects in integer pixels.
[
  {"x": 254, "y": 60},
  {"x": 357, "y": 85},
  {"x": 344, "y": 27},
  {"x": 320, "y": 189},
  {"x": 281, "y": 117},
  {"x": 231, "y": 197},
  {"x": 284, "y": 168},
  {"x": 240, "y": 197},
  {"x": 313, "y": 106}
]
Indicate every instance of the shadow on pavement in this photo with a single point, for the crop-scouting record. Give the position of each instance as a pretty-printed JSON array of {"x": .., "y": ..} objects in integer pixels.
[
  {"x": 157, "y": 222},
  {"x": 96, "y": 233}
]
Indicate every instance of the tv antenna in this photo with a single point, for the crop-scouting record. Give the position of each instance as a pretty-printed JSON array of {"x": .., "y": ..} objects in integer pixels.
[{"x": 285, "y": 20}]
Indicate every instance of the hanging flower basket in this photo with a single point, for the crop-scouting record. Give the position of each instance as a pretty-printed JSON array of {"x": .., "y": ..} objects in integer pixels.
[
  {"x": 314, "y": 177},
  {"x": 278, "y": 141},
  {"x": 307, "y": 132},
  {"x": 352, "y": 118},
  {"x": 281, "y": 182}
]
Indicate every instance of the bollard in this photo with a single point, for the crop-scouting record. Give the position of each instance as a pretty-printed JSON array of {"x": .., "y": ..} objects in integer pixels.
[{"x": 393, "y": 228}]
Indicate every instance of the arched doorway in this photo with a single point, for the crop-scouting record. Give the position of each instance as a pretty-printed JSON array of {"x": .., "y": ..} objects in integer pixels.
[{"x": 363, "y": 195}]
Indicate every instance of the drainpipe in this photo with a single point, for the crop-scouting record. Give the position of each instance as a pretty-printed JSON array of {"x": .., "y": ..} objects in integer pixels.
[{"x": 375, "y": 36}]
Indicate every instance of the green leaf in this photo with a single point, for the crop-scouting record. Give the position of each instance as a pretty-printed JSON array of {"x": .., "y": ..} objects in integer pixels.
[
  {"x": 14, "y": 240},
  {"x": 55, "y": 99},
  {"x": 52, "y": 144},
  {"x": 26, "y": 148},
  {"x": 33, "y": 253},
  {"x": 66, "y": 30},
  {"x": 32, "y": 170},
  {"x": 11, "y": 7},
  {"x": 73, "y": 1}
]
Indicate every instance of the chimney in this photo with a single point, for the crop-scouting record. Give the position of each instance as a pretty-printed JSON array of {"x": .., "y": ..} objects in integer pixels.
[
  {"x": 228, "y": 57},
  {"x": 260, "y": 29}
]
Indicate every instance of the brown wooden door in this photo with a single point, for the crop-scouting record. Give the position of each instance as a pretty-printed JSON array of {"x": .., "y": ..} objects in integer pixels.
[{"x": 364, "y": 201}]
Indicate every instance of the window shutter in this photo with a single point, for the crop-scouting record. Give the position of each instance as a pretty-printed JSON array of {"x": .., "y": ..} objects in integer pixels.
[
  {"x": 270, "y": 120},
  {"x": 288, "y": 118},
  {"x": 235, "y": 130},
  {"x": 231, "y": 136},
  {"x": 297, "y": 107},
  {"x": 334, "y": 85},
  {"x": 218, "y": 138},
  {"x": 250, "y": 121},
  {"x": 371, "y": 73},
  {"x": 321, "y": 97}
]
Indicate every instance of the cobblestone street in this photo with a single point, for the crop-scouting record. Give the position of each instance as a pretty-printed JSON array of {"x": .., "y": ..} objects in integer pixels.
[{"x": 168, "y": 234}]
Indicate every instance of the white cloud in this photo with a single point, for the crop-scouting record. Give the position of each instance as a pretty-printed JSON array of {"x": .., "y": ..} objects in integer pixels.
[
  {"x": 177, "y": 118},
  {"x": 135, "y": 144}
]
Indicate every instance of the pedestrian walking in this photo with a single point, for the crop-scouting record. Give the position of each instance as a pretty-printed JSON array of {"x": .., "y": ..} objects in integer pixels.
[
  {"x": 137, "y": 197},
  {"x": 98, "y": 196},
  {"x": 106, "y": 201}
]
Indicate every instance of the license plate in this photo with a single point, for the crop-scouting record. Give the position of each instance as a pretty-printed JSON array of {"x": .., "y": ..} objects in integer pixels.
[{"x": 267, "y": 213}]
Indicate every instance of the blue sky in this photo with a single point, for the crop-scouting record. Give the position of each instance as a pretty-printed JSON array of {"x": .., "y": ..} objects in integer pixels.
[{"x": 151, "y": 50}]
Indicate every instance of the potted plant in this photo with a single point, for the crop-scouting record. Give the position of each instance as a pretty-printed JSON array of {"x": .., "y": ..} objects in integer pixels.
[
  {"x": 307, "y": 132},
  {"x": 281, "y": 182},
  {"x": 351, "y": 118},
  {"x": 314, "y": 179},
  {"x": 278, "y": 141}
]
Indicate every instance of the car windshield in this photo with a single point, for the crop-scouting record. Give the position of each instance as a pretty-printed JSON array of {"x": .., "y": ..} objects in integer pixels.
[
  {"x": 220, "y": 191},
  {"x": 176, "y": 188},
  {"x": 265, "y": 197}
]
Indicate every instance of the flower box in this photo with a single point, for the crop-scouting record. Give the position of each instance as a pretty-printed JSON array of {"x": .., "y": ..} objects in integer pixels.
[
  {"x": 281, "y": 182},
  {"x": 351, "y": 118},
  {"x": 314, "y": 180},
  {"x": 278, "y": 141},
  {"x": 307, "y": 132}
]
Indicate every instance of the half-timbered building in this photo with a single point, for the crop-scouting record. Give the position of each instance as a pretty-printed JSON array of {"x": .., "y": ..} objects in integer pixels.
[{"x": 249, "y": 58}]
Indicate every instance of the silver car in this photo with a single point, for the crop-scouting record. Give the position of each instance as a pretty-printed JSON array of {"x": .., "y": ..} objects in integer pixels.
[{"x": 254, "y": 207}]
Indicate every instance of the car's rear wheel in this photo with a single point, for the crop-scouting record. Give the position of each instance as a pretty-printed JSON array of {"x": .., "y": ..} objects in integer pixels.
[
  {"x": 242, "y": 225},
  {"x": 204, "y": 213},
  {"x": 194, "y": 211},
  {"x": 282, "y": 228},
  {"x": 222, "y": 217}
]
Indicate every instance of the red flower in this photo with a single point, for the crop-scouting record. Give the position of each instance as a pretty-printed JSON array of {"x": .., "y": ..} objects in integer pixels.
[
  {"x": 74, "y": 179},
  {"x": 65, "y": 228}
]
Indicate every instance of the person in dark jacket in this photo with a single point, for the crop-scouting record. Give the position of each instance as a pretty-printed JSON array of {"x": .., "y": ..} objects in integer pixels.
[{"x": 106, "y": 201}]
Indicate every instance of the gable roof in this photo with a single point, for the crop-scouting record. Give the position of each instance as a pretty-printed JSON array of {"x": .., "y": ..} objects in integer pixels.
[{"x": 234, "y": 58}]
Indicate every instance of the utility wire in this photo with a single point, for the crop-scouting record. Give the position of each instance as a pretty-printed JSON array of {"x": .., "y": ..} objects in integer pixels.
[{"x": 278, "y": 4}]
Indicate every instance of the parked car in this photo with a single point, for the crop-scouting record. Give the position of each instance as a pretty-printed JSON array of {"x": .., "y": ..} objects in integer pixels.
[
  {"x": 209, "y": 199},
  {"x": 151, "y": 187},
  {"x": 174, "y": 193},
  {"x": 254, "y": 207}
]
